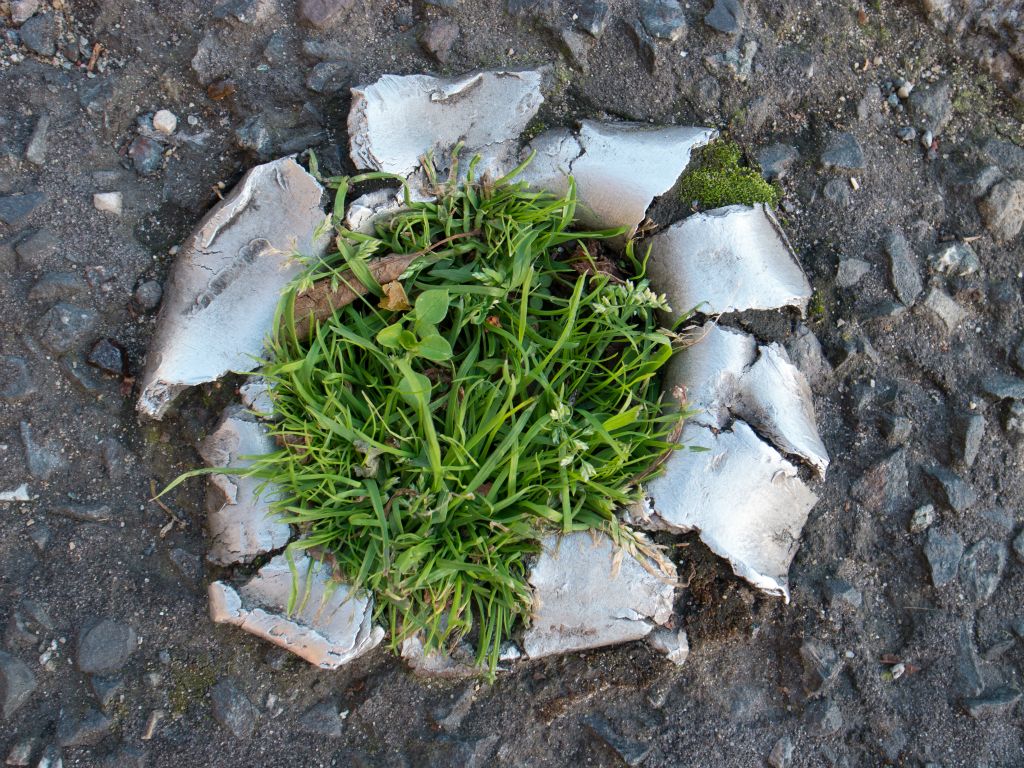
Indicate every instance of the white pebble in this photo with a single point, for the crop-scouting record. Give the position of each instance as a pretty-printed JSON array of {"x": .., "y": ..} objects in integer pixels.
[
  {"x": 111, "y": 202},
  {"x": 165, "y": 122}
]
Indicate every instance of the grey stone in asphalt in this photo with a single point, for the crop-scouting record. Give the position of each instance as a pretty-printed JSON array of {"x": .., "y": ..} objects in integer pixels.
[
  {"x": 188, "y": 566},
  {"x": 951, "y": 489},
  {"x": 105, "y": 648},
  {"x": 982, "y": 569},
  {"x": 851, "y": 271},
  {"x": 775, "y": 160},
  {"x": 43, "y": 458},
  {"x": 35, "y": 151},
  {"x": 84, "y": 513},
  {"x": 17, "y": 684},
  {"x": 23, "y": 10},
  {"x": 663, "y": 19},
  {"x": 35, "y": 249},
  {"x": 233, "y": 709},
  {"x": 843, "y": 153},
  {"x": 322, "y": 719},
  {"x": 15, "y": 209},
  {"x": 943, "y": 551},
  {"x": 82, "y": 728},
  {"x": 320, "y": 14},
  {"x": 329, "y": 76},
  {"x": 630, "y": 752},
  {"x": 1003, "y": 387},
  {"x": 931, "y": 107},
  {"x": 1018, "y": 546},
  {"x": 837, "y": 191},
  {"x": 16, "y": 383},
  {"x": 725, "y": 16},
  {"x": 147, "y": 295},
  {"x": 438, "y": 38},
  {"x": 822, "y": 665},
  {"x": 945, "y": 308},
  {"x": 781, "y": 755},
  {"x": 39, "y": 34},
  {"x": 593, "y": 17},
  {"x": 969, "y": 432},
  {"x": 968, "y": 667},
  {"x": 146, "y": 154},
  {"x": 992, "y": 702},
  {"x": 645, "y": 46},
  {"x": 64, "y": 326},
  {"x": 922, "y": 518},
  {"x": 58, "y": 286},
  {"x": 885, "y": 486},
  {"x": 106, "y": 690},
  {"x": 903, "y": 268},
  {"x": 956, "y": 259},
  {"x": 1003, "y": 210}
]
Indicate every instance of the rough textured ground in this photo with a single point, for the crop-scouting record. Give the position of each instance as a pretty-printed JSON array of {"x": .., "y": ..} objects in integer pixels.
[{"x": 817, "y": 674}]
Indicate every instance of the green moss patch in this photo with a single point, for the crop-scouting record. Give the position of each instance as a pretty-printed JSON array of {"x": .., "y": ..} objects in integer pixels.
[{"x": 719, "y": 179}]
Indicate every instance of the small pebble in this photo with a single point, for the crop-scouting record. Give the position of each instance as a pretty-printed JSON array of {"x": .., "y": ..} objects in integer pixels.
[
  {"x": 907, "y": 133},
  {"x": 926, "y": 139},
  {"x": 904, "y": 90},
  {"x": 165, "y": 122},
  {"x": 109, "y": 202}
]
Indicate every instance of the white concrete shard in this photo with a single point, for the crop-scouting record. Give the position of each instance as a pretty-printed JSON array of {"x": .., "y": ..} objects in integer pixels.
[
  {"x": 776, "y": 398},
  {"x": 239, "y": 521},
  {"x": 255, "y": 394},
  {"x": 439, "y": 663},
  {"x": 398, "y": 119},
  {"x": 588, "y": 593},
  {"x": 224, "y": 288},
  {"x": 726, "y": 375},
  {"x": 673, "y": 643},
  {"x": 746, "y": 501},
  {"x": 619, "y": 168},
  {"x": 729, "y": 259},
  {"x": 17, "y": 494},
  {"x": 330, "y": 623},
  {"x": 363, "y": 212}
]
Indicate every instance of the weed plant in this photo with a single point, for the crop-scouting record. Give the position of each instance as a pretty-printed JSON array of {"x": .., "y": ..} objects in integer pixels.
[{"x": 434, "y": 430}]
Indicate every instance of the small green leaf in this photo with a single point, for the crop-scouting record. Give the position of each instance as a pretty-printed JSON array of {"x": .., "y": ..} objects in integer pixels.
[
  {"x": 391, "y": 336},
  {"x": 434, "y": 347},
  {"x": 413, "y": 387},
  {"x": 432, "y": 306},
  {"x": 408, "y": 340}
]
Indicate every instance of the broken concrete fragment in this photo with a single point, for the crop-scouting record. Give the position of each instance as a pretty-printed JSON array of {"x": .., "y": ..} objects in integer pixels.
[
  {"x": 619, "y": 168},
  {"x": 588, "y": 593},
  {"x": 220, "y": 302},
  {"x": 727, "y": 260},
  {"x": 399, "y": 119},
  {"x": 439, "y": 663},
  {"x": 746, "y": 501},
  {"x": 363, "y": 212},
  {"x": 673, "y": 643},
  {"x": 239, "y": 521},
  {"x": 726, "y": 375},
  {"x": 328, "y": 626}
]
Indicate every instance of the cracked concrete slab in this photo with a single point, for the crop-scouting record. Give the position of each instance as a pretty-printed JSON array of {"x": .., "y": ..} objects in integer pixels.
[
  {"x": 619, "y": 168},
  {"x": 728, "y": 259},
  {"x": 588, "y": 593},
  {"x": 399, "y": 119},
  {"x": 726, "y": 374},
  {"x": 741, "y": 495},
  {"x": 224, "y": 288},
  {"x": 329, "y": 624},
  {"x": 239, "y": 523}
]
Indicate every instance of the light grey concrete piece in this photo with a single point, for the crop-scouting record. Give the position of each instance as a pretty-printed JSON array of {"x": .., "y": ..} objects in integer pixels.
[
  {"x": 619, "y": 168},
  {"x": 364, "y": 211},
  {"x": 224, "y": 288},
  {"x": 438, "y": 663},
  {"x": 588, "y": 593},
  {"x": 745, "y": 500},
  {"x": 255, "y": 394},
  {"x": 238, "y": 520},
  {"x": 671, "y": 642},
  {"x": 729, "y": 259},
  {"x": 726, "y": 375},
  {"x": 328, "y": 626},
  {"x": 399, "y": 119}
]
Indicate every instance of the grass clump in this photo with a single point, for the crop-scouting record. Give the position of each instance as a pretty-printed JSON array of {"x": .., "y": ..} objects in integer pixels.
[
  {"x": 719, "y": 179},
  {"x": 434, "y": 430}
]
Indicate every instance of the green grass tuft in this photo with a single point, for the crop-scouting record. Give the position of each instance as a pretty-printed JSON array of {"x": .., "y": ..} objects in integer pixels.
[
  {"x": 719, "y": 179},
  {"x": 429, "y": 449}
]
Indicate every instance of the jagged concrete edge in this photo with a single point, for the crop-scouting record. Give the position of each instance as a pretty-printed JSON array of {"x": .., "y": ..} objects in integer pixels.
[{"x": 156, "y": 396}]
